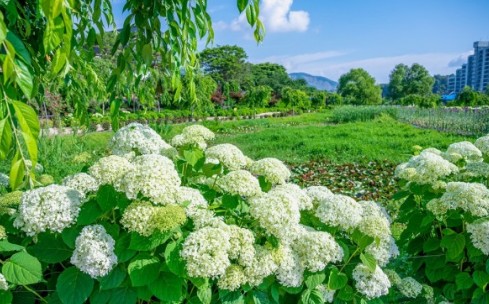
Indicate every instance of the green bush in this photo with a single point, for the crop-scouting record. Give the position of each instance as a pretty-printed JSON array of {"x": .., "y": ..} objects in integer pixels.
[{"x": 344, "y": 114}]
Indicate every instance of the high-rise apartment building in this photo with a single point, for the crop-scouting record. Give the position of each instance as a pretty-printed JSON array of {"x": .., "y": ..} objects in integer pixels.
[{"x": 474, "y": 73}]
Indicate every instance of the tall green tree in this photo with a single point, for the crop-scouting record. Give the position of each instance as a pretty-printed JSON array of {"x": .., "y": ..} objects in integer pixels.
[
  {"x": 357, "y": 87},
  {"x": 272, "y": 75},
  {"x": 44, "y": 39},
  {"x": 414, "y": 80}
]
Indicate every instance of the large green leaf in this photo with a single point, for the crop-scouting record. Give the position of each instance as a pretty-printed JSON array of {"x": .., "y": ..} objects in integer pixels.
[
  {"x": 167, "y": 288},
  {"x": 463, "y": 280},
  {"x": 309, "y": 296},
  {"x": 123, "y": 295},
  {"x": 106, "y": 197},
  {"x": 315, "y": 279},
  {"x": 17, "y": 171},
  {"x": 481, "y": 278},
  {"x": 74, "y": 286},
  {"x": 5, "y": 137},
  {"x": 142, "y": 243},
  {"x": 6, "y": 246},
  {"x": 369, "y": 261},
  {"x": 454, "y": 243},
  {"x": 29, "y": 124},
  {"x": 173, "y": 259},
  {"x": 112, "y": 280},
  {"x": 5, "y": 297},
  {"x": 50, "y": 249},
  {"x": 143, "y": 270},
  {"x": 337, "y": 280},
  {"x": 23, "y": 269},
  {"x": 19, "y": 47},
  {"x": 147, "y": 54}
]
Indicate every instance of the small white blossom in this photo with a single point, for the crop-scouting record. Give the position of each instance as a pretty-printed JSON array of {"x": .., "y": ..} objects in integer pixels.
[
  {"x": 242, "y": 245},
  {"x": 239, "y": 182},
  {"x": 477, "y": 170},
  {"x": 181, "y": 140},
  {"x": 198, "y": 131},
  {"x": 110, "y": 170},
  {"x": 410, "y": 288},
  {"x": 94, "y": 251},
  {"x": 262, "y": 265},
  {"x": 139, "y": 139},
  {"x": 3, "y": 233},
  {"x": 318, "y": 194},
  {"x": 471, "y": 197},
  {"x": 393, "y": 276},
  {"x": 137, "y": 218},
  {"x": 228, "y": 155},
  {"x": 375, "y": 221},
  {"x": 193, "y": 135},
  {"x": 205, "y": 252},
  {"x": 383, "y": 251},
  {"x": 272, "y": 169},
  {"x": 303, "y": 200},
  {"x": 290, "y": 272},
  {"x": 463, "y": 150},
  {"x": 192, "y": 200},
  {"x": 339, "y": 211},
  {"x": 479, "y": 235},
  {"x": 371, "y": 284},
  {"x": 425, "y": 168},
  {"x": 81, "y": 182},
  {"x": 482, "y": 144},
  {"x": 154, "y": 176},
  {"x": 3, "y": 283},
  {"x": 51, "y": 208}
]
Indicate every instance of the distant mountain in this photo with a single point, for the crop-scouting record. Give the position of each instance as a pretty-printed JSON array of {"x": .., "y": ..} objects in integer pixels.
[{"x": 319, "y": 82}]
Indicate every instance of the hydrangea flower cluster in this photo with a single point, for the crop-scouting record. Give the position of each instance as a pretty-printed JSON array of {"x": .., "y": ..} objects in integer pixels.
[
  {"x": 479, "y": 235},
  {"x": 3, "y": 283},
  {"x": 3, "y": 233},
  {"x": 410, "y": 288},
  {"x": 239, "y": 182},
  {"x": 196, "y": 135},
  {"x": 81, "y": 182},
  {"x": 463, "y": 150},
  {"x": 272, "y": 169},
  {"x": 51, "y": 208},
  {"x": 140, "y": 139},
  {"x": 228, "y": 155},
  {"x": 371, "y": 284},
  {"x": 425, "y": 168},
  {"x": 9, "y": 202},
  {"x": 482, "y": 144},
  {"x": 110, "y": 170},
  {"x": 94, "y": 251}
]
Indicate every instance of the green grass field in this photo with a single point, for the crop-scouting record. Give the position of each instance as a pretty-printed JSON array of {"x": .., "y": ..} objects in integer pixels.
[{"x": 296, "y": 140}]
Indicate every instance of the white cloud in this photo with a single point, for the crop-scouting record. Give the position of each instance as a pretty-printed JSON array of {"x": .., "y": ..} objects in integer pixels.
[
  {"x": 379, "y": 67},
  {"x": 276, "y": 15},
  {"x": 457, "y": 62}
]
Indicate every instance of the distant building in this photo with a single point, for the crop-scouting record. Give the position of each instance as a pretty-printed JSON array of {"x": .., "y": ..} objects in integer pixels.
[{"x": 474, "y": 73}]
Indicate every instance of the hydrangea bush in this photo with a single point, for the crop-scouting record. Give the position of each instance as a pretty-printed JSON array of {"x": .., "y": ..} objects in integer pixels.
[
  {"x": 195, "y": 223},
  {"x": 444, "y": 219}
]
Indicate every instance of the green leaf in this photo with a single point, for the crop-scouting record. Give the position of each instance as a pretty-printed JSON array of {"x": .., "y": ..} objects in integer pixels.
[
  {"x": 23, "y": 269},
  {"x": 173, "y": 259},
  {"x": 70, "y": 234},
  {"x": 19, "y": 47},
  {"x": 454, "y": 243},
  {"x": 89, "y": 213},
  {"x": 167, "y": 288},
  {"x": 361, "y": 239},
  {"x": 29, "y": 124},
  {"x": 113, "y": 279},
  {"x": 431, "y": 245},
  {"x": 230, "y": 201},
  {"x": 242, "y": 5},
  {"x": 143, "y": 270},
  {"x": 463, "y": 280},
  {"x": 122, "y": 250},
  {"x": 481, "y": 279},
  {"x": 106, "y": 197},
  {"x": 74, "y": 286},
  {"x": 337, "y": 280},
  {"x": 487, "y": 266},
  {"x": 258, "y": 297},
  {"x": 5, "y": 297},
  {"x": 231, "y": 297},
  {"x": 24, "y": 78},
  {"x": 3, "y": 29},
  {"x": 17, "y": 171},
  {"x": 5, "y": 138},
  {"x": 123, "y": 295},
  {"x": 346, "y": 294},
  {"x": 369, "y": 261},
  {"x": 193, "y": 156},
  {"x": 315, "y": 279},
  {"x": 50, "y": 249},
  {"x": 147, "y": 54},
  {"x": 142, "y": 243},
  {"x": 205, "y": 294},
  {"x": 53, "y": 34},
  {"x": 312, "y": 297},
  {"x": 5, "y": 246}
]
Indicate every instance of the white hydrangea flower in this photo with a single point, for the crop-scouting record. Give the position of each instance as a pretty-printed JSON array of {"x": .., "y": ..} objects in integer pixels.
[
  {"x": 482, "y": 144},
  {"x": 471, "y": 197},
  {"x": 198, "y": 131},
  {"x": 110, "y": 170},
  {"x": 410, "y": 288},
  {"x": 262, "y": 266},
  {"x": 205, "y": 252},
  {"x": 425, "y": 168},
  {"x": 383, "y": 251},
  {"x": 51, "y": 208},
  {"x": 290, "y": 272},
  {"x": 479, "y": 235},
  {"x": 328, "y": 294},
  {"x": 433, "y": 150},
  {"x": 339, "y": 211},
  {"x": 273, "y": 169},
  {"x": 192, "y": 200},
  {"x": 4, "y": 180},
  {"x": 242, "y": 243},
  {"x": 371, "y": 284},
  {"x": 303, "y": 200},
  {"x": 3, "y": 283},
  {"x": 138, "y": 138},
  {"x": 463, "y": 150},
  {"x": 477, "y": 170},
  {"x": 393, "y": 276},
  {"x": 316, "y": 249},
  {"x": 94, "y": 251},
  {"x": 239, "y": 182},
  {"x": 277, "y": 214},
  {"x": 375, "y": 221},
  {"x": 318, "y": 194},
  {"x": 3, "y": 233},
  {"x": 233, "y": 278},
  {"x": 181, "y": 140},
  {"x": 81, "y": 182},
  {"x": 228, "y": 155},
  {"x": 137, "y": 218},
  {"x": 155, "y": 177}
]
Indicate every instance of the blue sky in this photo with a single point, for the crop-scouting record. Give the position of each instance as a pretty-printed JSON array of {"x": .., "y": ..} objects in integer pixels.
[{"x": 329, "y": 37}]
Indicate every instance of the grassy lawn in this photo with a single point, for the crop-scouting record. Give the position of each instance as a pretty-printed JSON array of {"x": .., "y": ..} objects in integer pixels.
[{"x": 296, "y": 140}]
